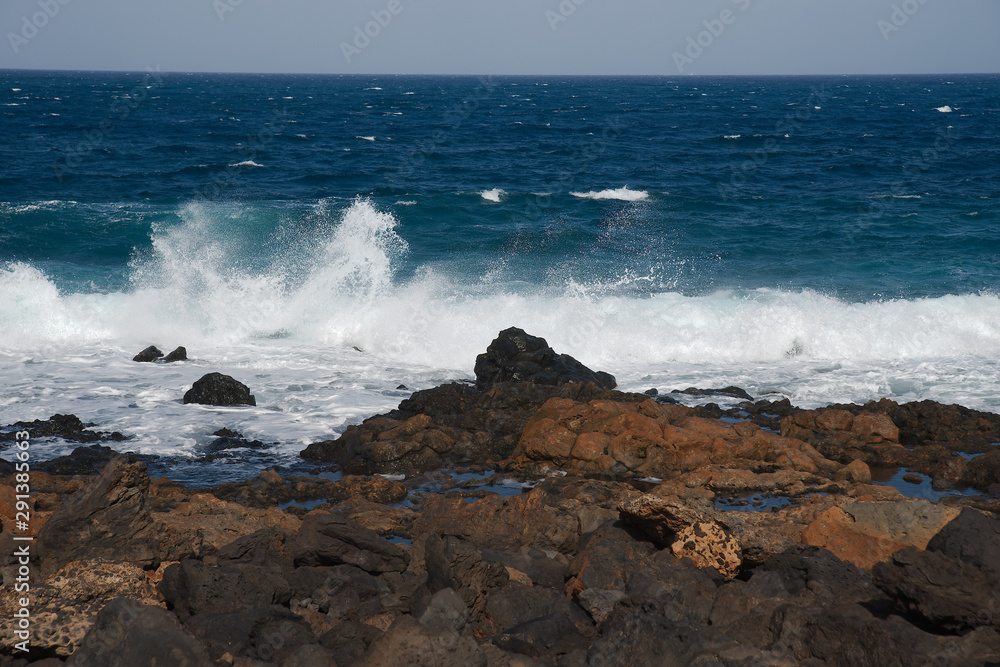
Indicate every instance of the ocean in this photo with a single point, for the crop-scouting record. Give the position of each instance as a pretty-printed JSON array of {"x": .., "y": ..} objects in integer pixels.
[{"x": 329, "y": 239}]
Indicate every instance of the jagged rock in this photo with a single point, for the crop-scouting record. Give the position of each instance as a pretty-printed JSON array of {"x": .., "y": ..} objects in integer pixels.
[
  {"x": 151, "y": 353},
  {"x": 448, "y": 425},
  {"x": 502, "y": 523},
  {"x": 971, "y": 537},
  {"x": 454, "y": 563},
  {"x": 179, "y": 354},
  {"x": 67, "y": 427},
  {"x": 515, "y": 356},
  {"x": 983, "y": 472},
  {"x": 127, "y": 634},
  {"x": 647, "y": 438},
  {"x": 709, "y": 545},
  {"x": 329, "y": 539},
  {"x": 82, "y": 461},
  {"x": 64, "y": 606},
  {"x": 733, "y": 392},
  {"x": 226, "y": 632},
  {"x": 219, "y": 389},
  {"x": 804, "y": 569},
  {"x": 192, "y": 587},
  {"x": 108, "y": 519},
  {"x": 947, "y": 594}
]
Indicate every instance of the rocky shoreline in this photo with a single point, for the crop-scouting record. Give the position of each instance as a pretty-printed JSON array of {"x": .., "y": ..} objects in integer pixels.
[{"x": 539, "y": 517}]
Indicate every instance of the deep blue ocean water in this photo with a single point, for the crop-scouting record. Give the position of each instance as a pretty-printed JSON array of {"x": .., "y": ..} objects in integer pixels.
[{"x": 328, "y": 238}]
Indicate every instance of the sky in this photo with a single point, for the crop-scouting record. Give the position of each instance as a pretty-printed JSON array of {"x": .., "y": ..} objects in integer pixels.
[{"x": 540, "y": 37}]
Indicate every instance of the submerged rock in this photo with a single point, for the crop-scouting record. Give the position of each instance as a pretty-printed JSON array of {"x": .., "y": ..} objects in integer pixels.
[
  {"x": 515, "y": 356},
  {"x": 219, "y": 389}
]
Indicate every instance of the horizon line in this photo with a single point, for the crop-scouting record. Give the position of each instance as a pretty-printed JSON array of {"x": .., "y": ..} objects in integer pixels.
[{"x": 487, "y": 75}]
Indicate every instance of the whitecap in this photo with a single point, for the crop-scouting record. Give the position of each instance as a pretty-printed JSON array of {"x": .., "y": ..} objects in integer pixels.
[
  {"x": 944, "y": 109},
  {"x": 366, "y": 138},
  {"x": 246, "y": 163},
  {"x": 622, "y": 194},
  {"x": 493, "y": 195}
]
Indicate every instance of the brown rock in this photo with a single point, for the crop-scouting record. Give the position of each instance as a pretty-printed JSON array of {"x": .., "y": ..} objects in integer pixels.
[
  {"x": 856, "y": 471},
  {"x": 109, "y": 519},
  {"x": 865, "y": 533},
  {"x": 503, "y": 523},
  {"x": 709, "y": 545}
]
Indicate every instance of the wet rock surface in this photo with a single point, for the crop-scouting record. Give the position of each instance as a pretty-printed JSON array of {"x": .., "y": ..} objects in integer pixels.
[
  {"x": 593, "y": 527},
  {"x": 515, "y": 356},
  {"x": 219, "y": 389}
]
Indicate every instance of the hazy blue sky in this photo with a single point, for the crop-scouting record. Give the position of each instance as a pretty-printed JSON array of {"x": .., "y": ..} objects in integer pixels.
[{"x": 505, "y": 36}]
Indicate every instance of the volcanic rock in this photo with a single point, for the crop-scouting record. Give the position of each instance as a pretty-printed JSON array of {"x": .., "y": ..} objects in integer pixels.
[
  {"x": 329, "y": 539},
  {"x": 127, "y": 634},
  {"x": 108, "y": 519},
  {"x": 948, "y": 595},
  {"x": 179, "y": 354},
  {"x": 515, "y": 356},
  {"x": 151, "y": 353},
  {"x": 219, "y": 389}
]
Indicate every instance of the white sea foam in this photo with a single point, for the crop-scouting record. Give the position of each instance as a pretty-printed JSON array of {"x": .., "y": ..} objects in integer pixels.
[
  {"x": 246, "y": 163},
  {"x": 944, "y": 109},
  {"x": 283, "y": 311},
  {"x": 493, "y": 195},
  {"x": 623, "y": 194},
  {"x": 366, "y": 138}
]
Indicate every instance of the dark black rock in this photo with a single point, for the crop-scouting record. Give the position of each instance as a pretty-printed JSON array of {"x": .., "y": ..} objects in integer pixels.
[
  {"x": 971, "y": 537},
  {"x": 403, "y": 387},
  {"x": 268, "y": 546},
  {"x": 67, "y": 427},
  {"x": 330, "y": 539},
  {"x": 219, "y": 389},
  {"x": 6, "y": 468},
  {"x": 455, "y": 563},
  {"x": 192, "y": 587},
  {"x": 277, "y": 636},
  {"x": 652, "y": 392},
  {"x": 127, "y": 633},
  {"x": 108, "y": 519},
  {"x": 943, "y": 594},
  {"x": 226, "y": 633},
  {"x": 82, "y": 461},
  {"x": 515, "y": 356},
  {"x": 804, "y": 568},
  {"x": 349, "y": 641},
  {"x": 151, "y": 353},
  {"x": 180, "y": 354},
  {"x": 734, "y": 392}
]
